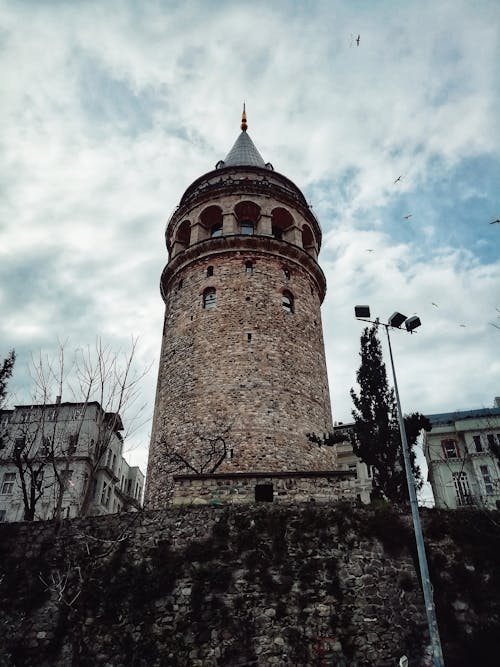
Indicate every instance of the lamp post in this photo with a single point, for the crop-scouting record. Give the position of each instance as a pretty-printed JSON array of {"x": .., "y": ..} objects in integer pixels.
[{"x": 395, "y": 321}]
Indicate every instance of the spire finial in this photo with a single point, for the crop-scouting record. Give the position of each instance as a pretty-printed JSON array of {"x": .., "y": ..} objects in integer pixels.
[{"x": 244, "y": 124}]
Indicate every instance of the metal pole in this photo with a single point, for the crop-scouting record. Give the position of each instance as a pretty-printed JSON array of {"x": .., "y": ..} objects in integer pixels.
[{"x": 422, "y": 559}]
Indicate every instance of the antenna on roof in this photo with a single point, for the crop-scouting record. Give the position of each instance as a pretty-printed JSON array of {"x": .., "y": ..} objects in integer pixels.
[{"x": 244, "y": 124}]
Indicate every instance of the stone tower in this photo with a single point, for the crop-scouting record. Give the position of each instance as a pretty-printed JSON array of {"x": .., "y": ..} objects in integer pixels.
[{"x": 242, "y": 352}]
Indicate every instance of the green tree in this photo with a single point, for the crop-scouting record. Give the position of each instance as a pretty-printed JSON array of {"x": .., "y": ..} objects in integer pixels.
[
  {"x": 377, "y": 440},
  {"x": 5, "y": 373}
]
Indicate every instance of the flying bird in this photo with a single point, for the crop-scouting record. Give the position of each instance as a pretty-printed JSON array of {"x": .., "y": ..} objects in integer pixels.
[
  {"x": 463, "y": 325},
  {"x": 398, "y": 179},
  {"x": 494, "y": 222},
  {"x": 357, "y": 40},
  {"x": 369, "y": 250},
  {"x": 434, "y": 304},
  {"x": 407, "y": 217}
]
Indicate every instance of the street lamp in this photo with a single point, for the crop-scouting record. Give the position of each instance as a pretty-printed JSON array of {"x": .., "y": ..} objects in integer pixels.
[{"x": 411, "y": 323}]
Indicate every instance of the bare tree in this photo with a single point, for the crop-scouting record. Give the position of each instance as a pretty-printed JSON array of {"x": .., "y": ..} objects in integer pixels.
[{"x": 47, "y": 442}]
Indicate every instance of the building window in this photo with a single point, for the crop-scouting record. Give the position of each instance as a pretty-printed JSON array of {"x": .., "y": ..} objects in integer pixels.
[
  {"x": 286, "y": 274},
  {"x": 491, "y": 440},
  {"x": 105, "y": 494},
  {"x": 249, "y": 267},
  {"x": 52, "y": 415},
  {"x": 66, "y": 480},
  {"x": 246, "y": 227},
  {"x": 8, "y": 482},
  {"x": 462, "y": 488},
  {"x": 209, "y": 298},
  {"x": 46, "y": 445},
  {"x": 264, "y": 493},
  {"x": 488, "y": 484},
  {"x": 3, "y": 514},
  {"x": 477, "y": 443},
  {"x": 450, "y": 449},
  {"x": 19, "y": 445},
  {"x": 287, "y": 302},
  {"x": 210, "y": 271},
  {"x": 72, "y": 443},
  {"x": 216, "y": 230}
]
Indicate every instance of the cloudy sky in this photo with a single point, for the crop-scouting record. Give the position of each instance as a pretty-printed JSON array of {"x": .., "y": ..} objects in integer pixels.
[{"x": 109, "y": 110}]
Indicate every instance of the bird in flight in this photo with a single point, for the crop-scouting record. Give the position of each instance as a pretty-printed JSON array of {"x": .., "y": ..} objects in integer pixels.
[
  {"x": 434, "y": 304},
  {"x": 494, "y": 222},
  {"x": 463, "y": 325},
  {"x": 357, "y": 40},
  {"x": 407, "y": 217},
  {"x": 398, "y": 179},
  {"x": 369, "y": 250}
]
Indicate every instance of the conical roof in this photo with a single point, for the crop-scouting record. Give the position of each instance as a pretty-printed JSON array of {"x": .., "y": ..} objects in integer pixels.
[{"x": 244, "y": 153}]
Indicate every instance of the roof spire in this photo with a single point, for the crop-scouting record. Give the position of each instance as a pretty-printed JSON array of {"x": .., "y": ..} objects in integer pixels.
[{"x": 244, "y": 124}]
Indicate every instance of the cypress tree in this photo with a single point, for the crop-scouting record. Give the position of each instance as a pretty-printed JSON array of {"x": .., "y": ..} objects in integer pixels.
[{"x": 377, "y": 440}]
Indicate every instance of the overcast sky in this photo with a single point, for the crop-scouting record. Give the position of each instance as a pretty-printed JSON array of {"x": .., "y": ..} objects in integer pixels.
[{"x": 109, "y": 110}]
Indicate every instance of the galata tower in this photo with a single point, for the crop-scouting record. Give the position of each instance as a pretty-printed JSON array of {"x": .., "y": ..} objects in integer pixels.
[{"x": 242, "y": 359}]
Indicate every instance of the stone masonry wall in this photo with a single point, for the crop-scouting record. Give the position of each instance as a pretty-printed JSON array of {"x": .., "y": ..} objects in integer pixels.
[
  {"x": 234, "y": 488},
  {"x": 264, "y": 585},
  {"x": 246, "y": 364}
]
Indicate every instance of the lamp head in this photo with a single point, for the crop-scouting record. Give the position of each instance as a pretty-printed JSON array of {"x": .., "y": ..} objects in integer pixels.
[
  {"x": 396, "y": 320},
  {"x": 362, "y": 311},
  {"x": 412, "y": 323}
]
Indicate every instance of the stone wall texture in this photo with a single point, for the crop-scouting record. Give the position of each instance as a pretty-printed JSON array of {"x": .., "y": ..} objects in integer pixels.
[
  {"x": 246, "y": 365},
  {"x": 264, "y": 585}
]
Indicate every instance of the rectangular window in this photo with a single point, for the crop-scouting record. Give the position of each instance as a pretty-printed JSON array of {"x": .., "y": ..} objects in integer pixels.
[
  {"x": 450, "y": 449},
  {"x": 462, "y": 489},
  {"x": 46, "y": 445},
  {"x": 19, "y": 445},
  {"x": 106, "y": 490},
  {"x": 8, "y": 482},
  {"x": 488, "y": 484},
  {"x": 477, "y": 443},
  {"x": 72, "y": 443},
  {"x": 66, "y": 481},
  {"x": 3, "y": 514},
  {"x": 491, "y": 439}
]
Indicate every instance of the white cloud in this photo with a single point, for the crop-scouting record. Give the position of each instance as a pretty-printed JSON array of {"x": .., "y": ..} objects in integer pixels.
[{"x": 110, "y": 110}]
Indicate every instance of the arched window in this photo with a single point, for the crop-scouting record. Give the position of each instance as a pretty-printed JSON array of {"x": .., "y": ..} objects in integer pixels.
[
  {"x": 210, "y": 271},
  {"x": 216, "y": 230},
  {"x": 281, "y": 221},
  {"x": 308, "y": 240},
  {"x": 249, "y": 267},
  {"x": 209, "y": 298},
  {"x": 287, "y": 302},
  {"x": 246, "y": 227}
]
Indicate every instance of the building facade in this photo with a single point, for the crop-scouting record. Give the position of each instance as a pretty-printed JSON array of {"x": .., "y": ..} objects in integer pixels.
[
  {"x": 462, "y": 456},
  {"x": 347, "y": 460},
  {"x": 63, "y": 459},
  {"x": 242, "y": 376}
]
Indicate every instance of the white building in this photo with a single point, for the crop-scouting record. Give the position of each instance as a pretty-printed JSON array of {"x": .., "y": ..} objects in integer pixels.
[
  {"x": 55, "y": 459},
  {"x": 347, "y": 460},
  {"x": 463, "y": 467}
]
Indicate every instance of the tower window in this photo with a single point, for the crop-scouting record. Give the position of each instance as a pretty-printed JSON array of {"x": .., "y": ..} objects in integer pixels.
[
  {"x": 287, "y": 302},
  {"x": 286, "y": 273},
  {"x": 216, "y": 230},
  {"x": 249, "y": 337},
  {"x": 264, "y": 493},
  {"x": 249, "y": 267},
  {"x": 246, "y": 227},
  {"x": 210, "y": 271},
  {"x": 209, "y": 298}
]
